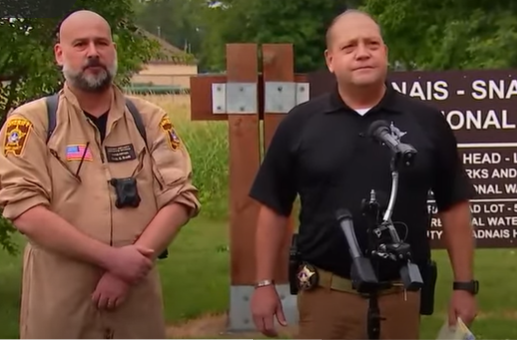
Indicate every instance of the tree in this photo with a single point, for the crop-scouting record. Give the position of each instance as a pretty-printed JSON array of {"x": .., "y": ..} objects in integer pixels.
[
  {"x": 28, "y": 70},
  {"x": 425, "y": 35},
  {"x": 448, "y": 34},
  {"x": 171, "y": 20},
  {"x": 300, "y": 23},
  {"x": 206, "y": 26},
  {"x": 175, "y": 21}
]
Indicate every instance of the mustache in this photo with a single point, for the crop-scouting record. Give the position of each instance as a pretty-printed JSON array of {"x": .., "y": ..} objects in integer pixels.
[{"x": 94, "y": 62}]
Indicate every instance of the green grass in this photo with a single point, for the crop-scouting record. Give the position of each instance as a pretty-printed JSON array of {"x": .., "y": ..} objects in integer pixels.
[{"x": 195, "y": 277}]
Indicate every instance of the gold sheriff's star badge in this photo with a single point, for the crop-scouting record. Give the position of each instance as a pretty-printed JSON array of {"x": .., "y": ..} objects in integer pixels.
[{"x": 305, "y": 277}]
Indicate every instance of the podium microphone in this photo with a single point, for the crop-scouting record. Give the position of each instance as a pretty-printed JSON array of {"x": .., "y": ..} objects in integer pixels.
[
  {"x": 381, "y": 131},
  {"x": 362, "y": 275}
]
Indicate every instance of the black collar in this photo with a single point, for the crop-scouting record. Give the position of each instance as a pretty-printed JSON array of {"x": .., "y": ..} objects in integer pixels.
[{"x": 389, "y": 102}]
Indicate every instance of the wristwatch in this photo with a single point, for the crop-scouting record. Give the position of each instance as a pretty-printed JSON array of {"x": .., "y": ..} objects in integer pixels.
[{"x": 469, "y": 286}]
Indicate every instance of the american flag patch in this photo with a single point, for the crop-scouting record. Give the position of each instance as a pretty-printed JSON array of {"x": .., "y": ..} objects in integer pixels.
[{"x": 76, "y": 152}]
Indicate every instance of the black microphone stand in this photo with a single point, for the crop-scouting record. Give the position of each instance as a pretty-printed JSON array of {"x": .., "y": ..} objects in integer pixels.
[
  {"x": 371, "y": 210},
  {"x": 381, "y": 245}
]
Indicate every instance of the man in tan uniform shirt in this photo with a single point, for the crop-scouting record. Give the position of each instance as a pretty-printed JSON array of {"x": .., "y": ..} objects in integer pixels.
[{"x": 88, "y": 266}]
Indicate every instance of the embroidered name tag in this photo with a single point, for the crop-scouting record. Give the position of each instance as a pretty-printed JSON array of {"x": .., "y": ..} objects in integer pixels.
[
  {"x": 78, "y": 152},
  {"x": 120, "y": 153}
]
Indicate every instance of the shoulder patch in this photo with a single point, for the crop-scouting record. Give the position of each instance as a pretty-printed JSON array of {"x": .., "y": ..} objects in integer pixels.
[
  {"x": 169, "y": 131},
  {"x": 16, "y": 135}
]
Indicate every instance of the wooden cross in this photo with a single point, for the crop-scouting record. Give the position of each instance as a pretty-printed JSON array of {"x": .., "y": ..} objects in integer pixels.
[{"x": 244, "y": 97}]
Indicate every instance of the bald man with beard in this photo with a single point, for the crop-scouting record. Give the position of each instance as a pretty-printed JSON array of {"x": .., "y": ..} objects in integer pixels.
[{"x": 88, "y": 269}]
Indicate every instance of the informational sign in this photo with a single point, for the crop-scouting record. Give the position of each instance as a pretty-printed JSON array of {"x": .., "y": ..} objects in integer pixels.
[{"x": 481, "y": 108}]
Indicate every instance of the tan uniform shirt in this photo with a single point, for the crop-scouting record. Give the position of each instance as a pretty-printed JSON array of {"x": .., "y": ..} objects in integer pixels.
[{"x": 56, "y": 296}]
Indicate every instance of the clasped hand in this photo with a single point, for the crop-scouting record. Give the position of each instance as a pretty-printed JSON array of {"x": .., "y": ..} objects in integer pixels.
[{"x": 129, "y": 265}]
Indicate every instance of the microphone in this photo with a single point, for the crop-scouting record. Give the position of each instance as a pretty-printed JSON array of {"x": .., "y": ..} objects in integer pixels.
[
  {"x": 381, "y": 131},
  {"x": 362, "y": 273},
  {"x": 346, "y": 224}
]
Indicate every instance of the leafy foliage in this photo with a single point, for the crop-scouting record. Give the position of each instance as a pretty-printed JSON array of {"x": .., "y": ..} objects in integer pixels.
[
  {"x": 28, "y": 70},
  {"x": 207, "y": 26},
  {"x": 441, "y": 35},
  {"x": 6, "y": 233},
  {"x": 425, "y": 34},
  {"x": 268, "y": 21},
  {"x": 173, "y": 20}
]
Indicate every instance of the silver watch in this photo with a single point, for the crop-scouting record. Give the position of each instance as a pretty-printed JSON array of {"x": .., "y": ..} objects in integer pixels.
[{"x": 264, "y": 283}]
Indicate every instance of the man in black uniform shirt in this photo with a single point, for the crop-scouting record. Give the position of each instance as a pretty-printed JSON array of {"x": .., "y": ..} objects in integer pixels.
[{"x": 320, "y": 152}]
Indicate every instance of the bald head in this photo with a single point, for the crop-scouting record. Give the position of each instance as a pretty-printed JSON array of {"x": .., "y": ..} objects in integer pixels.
[
  {"x": 356, "y": 52},
  {"x": 86, "y": 51},
  {"x": 350, "y": 16},
  {"x": 78, "y": 20}
]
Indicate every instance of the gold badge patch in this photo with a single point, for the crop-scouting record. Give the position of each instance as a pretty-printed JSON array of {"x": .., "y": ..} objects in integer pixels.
[
  {"x": 168, "y": 129},
  {"x": 16, "y": 135},
  {"x": 307, "y": 277}
]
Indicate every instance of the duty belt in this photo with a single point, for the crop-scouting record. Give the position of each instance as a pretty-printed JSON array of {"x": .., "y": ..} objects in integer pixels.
[{"x": 309, "y": 277}]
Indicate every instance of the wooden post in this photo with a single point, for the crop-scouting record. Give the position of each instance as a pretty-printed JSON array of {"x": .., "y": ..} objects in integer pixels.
[
  {"x": 240, "y": 97},
  {"x": 278, "y": 78},
  {"x": 280, "y": 95},
  {"x": 243, "y": 124}
]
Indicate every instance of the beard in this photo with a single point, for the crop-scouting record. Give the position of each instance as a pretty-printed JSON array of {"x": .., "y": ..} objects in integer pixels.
[{"x": 89, "y": 81}]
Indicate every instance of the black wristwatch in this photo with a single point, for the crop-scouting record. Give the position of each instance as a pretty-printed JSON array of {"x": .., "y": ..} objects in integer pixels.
[{"x": 470, "y": 286}]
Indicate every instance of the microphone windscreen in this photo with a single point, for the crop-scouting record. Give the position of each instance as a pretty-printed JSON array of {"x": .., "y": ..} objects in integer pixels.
[{"x": 375, "y": 126}]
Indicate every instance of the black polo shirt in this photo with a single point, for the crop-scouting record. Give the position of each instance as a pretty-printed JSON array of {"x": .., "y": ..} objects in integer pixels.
[{"x": 321, "y": 152}]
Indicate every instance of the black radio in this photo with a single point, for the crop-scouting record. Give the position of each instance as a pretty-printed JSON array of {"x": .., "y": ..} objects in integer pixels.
[{"x": 294, "y": 265}]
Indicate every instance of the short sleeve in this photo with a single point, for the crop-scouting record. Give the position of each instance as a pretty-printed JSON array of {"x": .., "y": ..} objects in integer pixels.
[
  {"x": 451, "y": 184},
  {"x": 24, "y": 177},
  {"x": 172, "y": 165},
  {"x": 275, "y": 183}
]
